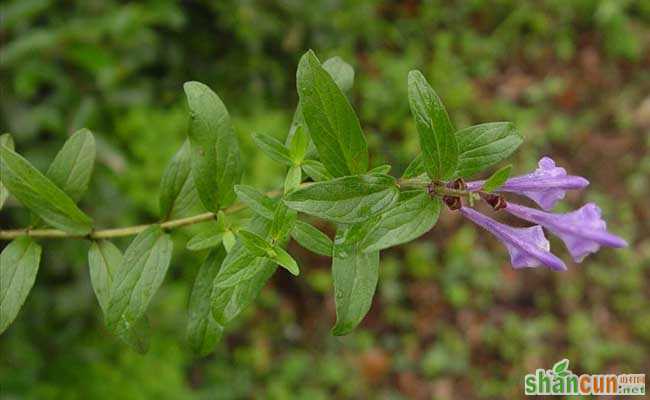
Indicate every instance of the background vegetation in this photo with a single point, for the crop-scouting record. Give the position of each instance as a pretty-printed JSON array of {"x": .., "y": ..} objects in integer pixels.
[{"x": 451, "y": 319}]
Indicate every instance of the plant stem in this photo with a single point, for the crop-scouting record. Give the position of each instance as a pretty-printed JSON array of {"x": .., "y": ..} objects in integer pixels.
[
  {"x": 10, "y": 234},
  {"x": 444, "y": 191},
  {"x": 437, "y": 188},
  {"x": 418, "y": 183},
  {"x": 116, "y": 232}
]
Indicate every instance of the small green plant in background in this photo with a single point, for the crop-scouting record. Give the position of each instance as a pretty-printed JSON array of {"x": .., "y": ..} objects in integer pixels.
[{"x": 328, "y": 177}]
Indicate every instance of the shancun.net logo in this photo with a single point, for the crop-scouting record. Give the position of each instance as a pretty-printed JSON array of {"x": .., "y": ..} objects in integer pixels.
[{"x": 560, "y": 381}]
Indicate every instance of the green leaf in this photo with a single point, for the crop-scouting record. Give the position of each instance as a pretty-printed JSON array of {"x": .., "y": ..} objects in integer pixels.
[
  {"x": 204, "y": 240},
  {"x": 228, "y": 240},
  {"x": 255, "y": 244},
  {"x": 273, "y": 148},
  {"x": 285, "y": 260},
  {"x": 293, "y": 179},
  {"x": 203, "y": 331},
  {"x": 298, "y": 124},
  {"x": 73, "y": 165},
  {"x": 381, "y": 170},
  {"x": 38, "y": 193},
  {"x": 177, "y": 192},
  {"x": 223, "y": 223},
  {"x": 415, "y": 168},
  {"x": 497, "y": 179},
  {"x": 312, "y": 239},
  {"x": 259, "y": 247},
  {"x": 284, "y": 220},
  {"x": 316, "y": 171},
  {"x": 298, "y": 145},
  {"x": 437, "y": 139},
  {"x": 343, "y": 75},
  {"x": 18, "y": 268},
  {"x": 137, "y": 336},
  {"x": 409, "y": 219},
  {"x": 137, "y": 279},
  {"x": 243, "y": 268},
  {"x": 332, "y": 123},
  {"x": 257, "y": 201},
  {"x": 187, "y": 203},
  {"x": 355, "y": 276},
  {"x": 104, "y": 259},
  {"x": 215, "y": 153},
  {"x": 5, "y": 140},
  {"x": 482, "y": 146},
  {"x": 232, "y": 296},
  {"x": 349, "y": 199}
]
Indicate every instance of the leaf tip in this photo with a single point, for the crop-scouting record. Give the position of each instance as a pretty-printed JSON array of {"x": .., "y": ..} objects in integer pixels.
[
  {"x": 415, "y": 75},
  {"x": 191, "y": 86},
  {"x": 309, "y": 58}
]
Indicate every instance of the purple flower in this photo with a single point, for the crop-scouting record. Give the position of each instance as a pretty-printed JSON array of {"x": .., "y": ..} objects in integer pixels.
[
  {"x": 583, "y": 231},
  {"x": 528, "y": 247},
  {"x": 546, "y": 186}
]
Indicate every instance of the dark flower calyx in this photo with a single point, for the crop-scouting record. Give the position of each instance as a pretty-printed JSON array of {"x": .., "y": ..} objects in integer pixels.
[{"x": 496, "y": 201}]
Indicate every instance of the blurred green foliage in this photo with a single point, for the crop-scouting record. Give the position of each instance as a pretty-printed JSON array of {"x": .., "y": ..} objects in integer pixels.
[{"x": 451, "y": 319}]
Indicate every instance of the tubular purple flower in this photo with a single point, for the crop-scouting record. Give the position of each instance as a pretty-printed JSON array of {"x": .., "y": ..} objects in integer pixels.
[
  {"x": 546, "y": 185},
  {"x": 583, "y": 231},
  {"x": 528, "y": 247}
]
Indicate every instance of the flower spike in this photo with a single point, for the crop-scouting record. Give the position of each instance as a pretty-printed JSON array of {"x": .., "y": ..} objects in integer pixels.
[
  {"x": 528, "y": 247},
  {"x": 546, "y": 185},
  {"x": 583, "y": 231}
]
